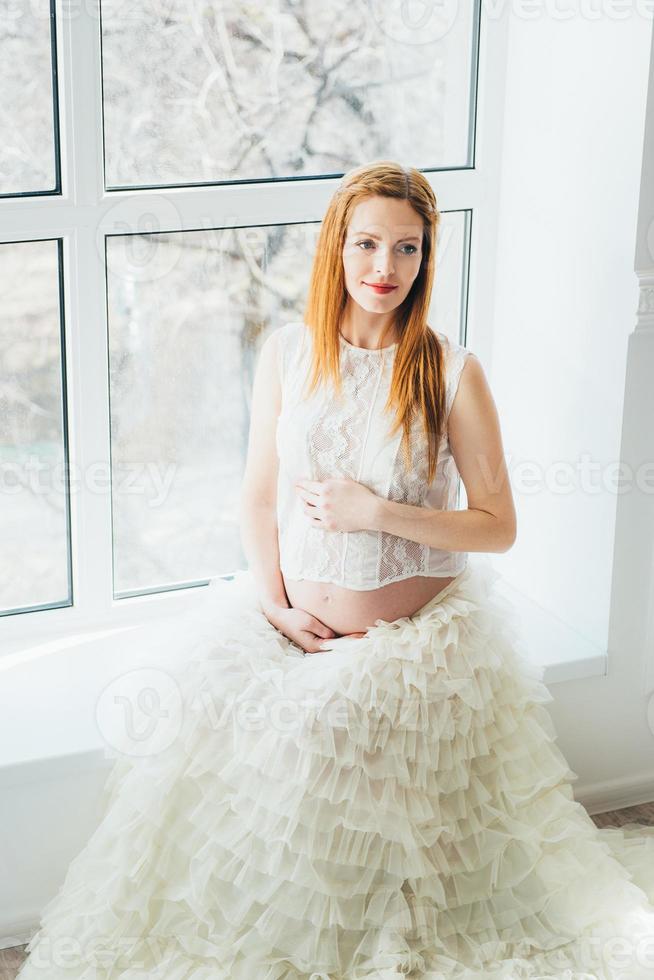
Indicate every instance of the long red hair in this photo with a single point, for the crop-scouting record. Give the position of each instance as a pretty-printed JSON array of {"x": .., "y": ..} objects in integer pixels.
[{"x": 418, "y": 380}]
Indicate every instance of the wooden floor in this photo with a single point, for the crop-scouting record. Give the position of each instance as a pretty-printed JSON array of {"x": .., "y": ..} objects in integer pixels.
[{"x": 10, "y": 959}]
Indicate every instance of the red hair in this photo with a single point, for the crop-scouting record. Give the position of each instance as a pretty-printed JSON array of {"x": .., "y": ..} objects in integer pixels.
[{"x": 418, "y": 381}]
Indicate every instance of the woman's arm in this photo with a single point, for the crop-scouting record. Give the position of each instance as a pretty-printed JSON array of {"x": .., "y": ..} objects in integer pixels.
[
  {"x": 449, "y": 530},
  {"x": 258, "y": 508},
  {"x": 259, "y": 540},
  {"x": 489, "y": 523}
]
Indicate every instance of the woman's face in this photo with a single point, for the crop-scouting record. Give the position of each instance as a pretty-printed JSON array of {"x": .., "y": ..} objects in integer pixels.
[{"x": 383, "y": 244}]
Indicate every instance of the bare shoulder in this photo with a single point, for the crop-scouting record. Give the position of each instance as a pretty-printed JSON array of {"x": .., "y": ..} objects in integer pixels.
[
  {"x": 269, "y": 356},
  {"x": 471, "y": 376},
  {"x": 273, "y": 339},
  {"x": 266, "y": 376},
  {"x": 473, "y": 397},
  {"x": 472, "y": 372},
  {"x": 279, "y": 339}
]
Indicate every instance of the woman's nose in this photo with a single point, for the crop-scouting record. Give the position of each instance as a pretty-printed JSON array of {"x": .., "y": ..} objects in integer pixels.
[{"x": 384, "y": 262}]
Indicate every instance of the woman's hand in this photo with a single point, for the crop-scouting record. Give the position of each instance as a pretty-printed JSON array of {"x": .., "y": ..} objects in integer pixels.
[
  {"x": 302, "y": 628},
  {"x": 338, "y": 504}
]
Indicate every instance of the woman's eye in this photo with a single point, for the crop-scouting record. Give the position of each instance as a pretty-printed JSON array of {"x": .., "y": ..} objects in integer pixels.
[{"x": 369, "y": 242}]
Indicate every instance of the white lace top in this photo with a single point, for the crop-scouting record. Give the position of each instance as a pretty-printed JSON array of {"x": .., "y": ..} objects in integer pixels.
[{"x": 323, "y": 437}]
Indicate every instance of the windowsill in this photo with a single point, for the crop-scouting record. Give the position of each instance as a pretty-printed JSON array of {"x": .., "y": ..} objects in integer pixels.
[
  {"x": 21, "y": 631},
  {"x": 49, "y": 691},
  {"x": 565, "y": 654}
]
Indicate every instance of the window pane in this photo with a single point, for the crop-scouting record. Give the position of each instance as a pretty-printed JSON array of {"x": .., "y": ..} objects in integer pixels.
[
  {"x": 27, "y": 150},
  {"x": 34, "y": 517},
  {"x": 227, "y": 89},
  {"x": 187, "y": 315}
]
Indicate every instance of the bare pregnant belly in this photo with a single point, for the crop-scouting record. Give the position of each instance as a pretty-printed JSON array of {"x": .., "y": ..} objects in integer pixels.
[{"x": 351, "y": 610}]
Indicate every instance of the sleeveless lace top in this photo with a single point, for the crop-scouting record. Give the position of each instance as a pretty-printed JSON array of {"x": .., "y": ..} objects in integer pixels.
[{"x": 322, "y": 437}]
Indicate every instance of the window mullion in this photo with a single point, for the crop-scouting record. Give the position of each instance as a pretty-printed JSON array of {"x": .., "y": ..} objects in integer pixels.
[{"x": 88, "y": 394}]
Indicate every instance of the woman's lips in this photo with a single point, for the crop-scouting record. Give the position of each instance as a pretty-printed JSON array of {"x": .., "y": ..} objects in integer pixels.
[{"x": 380, "y": 289}]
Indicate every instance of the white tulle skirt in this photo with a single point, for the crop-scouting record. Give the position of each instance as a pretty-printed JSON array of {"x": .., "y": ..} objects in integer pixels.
[{"x": 394, "y": 807}]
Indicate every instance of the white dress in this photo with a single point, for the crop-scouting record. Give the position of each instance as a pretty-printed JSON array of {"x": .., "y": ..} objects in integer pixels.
[{"x": 396, "y": 806}]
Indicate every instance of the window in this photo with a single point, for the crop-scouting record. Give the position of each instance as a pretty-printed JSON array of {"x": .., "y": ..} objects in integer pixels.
[
  {"x": 35, "y": 516},
  {"x": 29, "y": 126},
  {"x": 198, "y": 154}
]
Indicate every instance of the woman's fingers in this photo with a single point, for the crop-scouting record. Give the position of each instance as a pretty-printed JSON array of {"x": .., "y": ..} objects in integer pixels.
[
  {"x": 321, "y": 630},
  {"x": 322, "y": 644}
]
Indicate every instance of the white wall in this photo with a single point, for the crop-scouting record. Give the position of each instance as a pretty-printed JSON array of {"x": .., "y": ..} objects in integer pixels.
[{"x": 566, "y": 299}]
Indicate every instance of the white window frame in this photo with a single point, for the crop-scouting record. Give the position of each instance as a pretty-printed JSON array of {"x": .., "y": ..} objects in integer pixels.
[{"x": 85, "y": 213}]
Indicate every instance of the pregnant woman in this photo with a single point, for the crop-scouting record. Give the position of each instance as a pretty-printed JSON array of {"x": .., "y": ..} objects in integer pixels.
[{"x": 356, "y": 776}]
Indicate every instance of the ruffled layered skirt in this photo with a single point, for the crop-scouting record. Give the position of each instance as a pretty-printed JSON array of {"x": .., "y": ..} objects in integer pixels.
[{"x": 395, "y": 806}]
